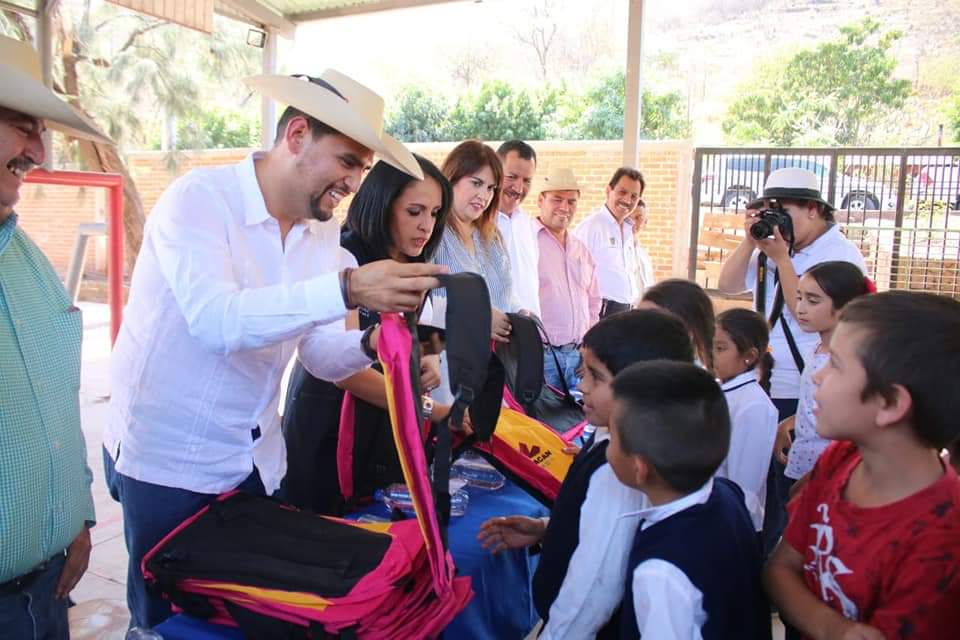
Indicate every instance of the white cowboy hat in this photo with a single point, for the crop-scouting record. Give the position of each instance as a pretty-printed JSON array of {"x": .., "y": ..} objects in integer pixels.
[
  {"x": 559, "y": 179},
  {"x": 24, "y": 91},
  {"x": 791, "y": 183},
  {"x": 357, "y": 112}
]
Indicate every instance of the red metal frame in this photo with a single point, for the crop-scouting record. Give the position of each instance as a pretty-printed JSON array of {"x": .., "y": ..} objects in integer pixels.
[{"x": 114, "y": 184}]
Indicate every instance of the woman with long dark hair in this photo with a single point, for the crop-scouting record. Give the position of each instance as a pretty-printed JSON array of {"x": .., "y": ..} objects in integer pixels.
[{"x": 392, "y": 216}]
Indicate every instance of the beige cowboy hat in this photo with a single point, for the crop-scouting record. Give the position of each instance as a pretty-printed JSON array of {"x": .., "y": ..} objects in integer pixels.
[
  {"x": 559, "y": 179},
  {"x": 24, "y": 91},
  {"x": 357, "y": 112}
]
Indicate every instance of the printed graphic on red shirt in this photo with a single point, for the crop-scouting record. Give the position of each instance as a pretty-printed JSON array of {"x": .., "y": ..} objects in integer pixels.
[
  {"x": 828, "y": 567},
  {"x": 895, "y": 567}
]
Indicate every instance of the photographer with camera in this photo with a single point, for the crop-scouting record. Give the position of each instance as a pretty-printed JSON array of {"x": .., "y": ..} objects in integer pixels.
[{"x": 789, "y": 229}]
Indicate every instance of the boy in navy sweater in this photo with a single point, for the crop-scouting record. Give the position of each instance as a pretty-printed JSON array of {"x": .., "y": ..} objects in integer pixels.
[
  {"x": 694, "y": 566},
  {"x": 609, "y": 346}
]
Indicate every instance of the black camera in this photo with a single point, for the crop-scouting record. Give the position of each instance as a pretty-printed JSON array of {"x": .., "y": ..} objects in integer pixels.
[{"x": 775, "y": 216}]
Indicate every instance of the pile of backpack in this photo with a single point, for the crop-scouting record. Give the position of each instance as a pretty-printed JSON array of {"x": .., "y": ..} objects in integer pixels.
[{"x": 278, "y": 572}]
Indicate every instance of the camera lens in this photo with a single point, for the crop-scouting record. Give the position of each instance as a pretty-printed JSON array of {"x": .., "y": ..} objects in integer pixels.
[{"x": 760, "y": 230}]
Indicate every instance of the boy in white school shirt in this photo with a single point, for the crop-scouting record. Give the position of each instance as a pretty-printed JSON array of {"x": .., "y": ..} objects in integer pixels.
[
  {"x": 693, "y": 568},
  {"x": 240, "y": 267},
  {"x": 578, "y": 582}
]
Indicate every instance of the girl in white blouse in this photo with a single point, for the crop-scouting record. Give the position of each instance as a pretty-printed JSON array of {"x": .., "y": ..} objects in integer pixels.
[
  {"x": 743, "y": 364},
  {"x": 821, "y": 293}
]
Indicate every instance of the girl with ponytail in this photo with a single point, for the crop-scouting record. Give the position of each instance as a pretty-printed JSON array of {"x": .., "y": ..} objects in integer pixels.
[{"x": 743, "y": 363}]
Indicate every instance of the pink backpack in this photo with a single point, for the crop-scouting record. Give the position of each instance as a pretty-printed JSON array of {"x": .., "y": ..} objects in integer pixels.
[{"x": 278, "y": 572}]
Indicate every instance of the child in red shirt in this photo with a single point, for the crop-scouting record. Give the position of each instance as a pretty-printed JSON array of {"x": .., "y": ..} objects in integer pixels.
[{"x": 872, "y": 549}]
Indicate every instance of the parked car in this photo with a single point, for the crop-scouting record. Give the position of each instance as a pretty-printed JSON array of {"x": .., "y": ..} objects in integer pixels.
[{"x": 732, "y": 181}]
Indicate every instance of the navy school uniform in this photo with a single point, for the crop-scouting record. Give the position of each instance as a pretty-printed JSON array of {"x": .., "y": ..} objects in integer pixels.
[
  {"x": 715, "y": 546},
  {"x": 563, "y": 531}
]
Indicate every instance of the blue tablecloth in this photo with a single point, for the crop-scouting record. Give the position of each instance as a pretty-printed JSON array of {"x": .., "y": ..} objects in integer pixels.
[{"x": 501, "y": 607}]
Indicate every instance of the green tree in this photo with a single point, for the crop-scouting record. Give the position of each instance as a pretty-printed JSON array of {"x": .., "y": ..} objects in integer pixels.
[
  {"x": 218, "y": 129},
  {"x": 499, "y": 112},
  {"x": 598, "y": 114},
  {"x": 953, "y": 114},
  {"x": 417, "y": 115},
  {"x": 833, "y": 94}
]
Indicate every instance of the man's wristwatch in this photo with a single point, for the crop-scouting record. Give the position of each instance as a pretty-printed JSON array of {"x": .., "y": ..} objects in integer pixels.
[
  {"x": 427, "y": 403},
  {"x": 345, "y": 288},
  {"x": 365, "y": 346}
]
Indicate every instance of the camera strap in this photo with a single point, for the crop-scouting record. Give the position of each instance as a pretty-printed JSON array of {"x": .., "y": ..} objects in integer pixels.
[
  {"x": 776, "y": 314},
  {"x": 762, "y": 284}
]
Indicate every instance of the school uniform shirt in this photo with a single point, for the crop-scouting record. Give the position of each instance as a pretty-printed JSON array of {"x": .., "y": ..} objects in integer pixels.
[
  {"x": 592, "y": 589},
  {"x": 614, "y": 249},
  {"x": 807, "y": 445},
  {"x": 569, "y": 289},
  {"x": 753, "y": 430},
  {"x": 561, "y": 537},
  {"x": 218, "y": 305},
  {"x": 694, "y": 570},
  {"x": 831, "y": 245},
  {"x": 520, "y": 238},
  {"x": 895, "y": 567},
  {"x": 667, "y": 604}
]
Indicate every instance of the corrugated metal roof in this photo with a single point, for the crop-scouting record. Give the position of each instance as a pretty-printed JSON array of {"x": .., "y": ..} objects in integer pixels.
[{"x": 305, "y": 10}]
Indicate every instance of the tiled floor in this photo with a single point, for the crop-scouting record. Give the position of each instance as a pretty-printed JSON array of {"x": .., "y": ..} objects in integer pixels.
[{"x": 101, "y": 611}]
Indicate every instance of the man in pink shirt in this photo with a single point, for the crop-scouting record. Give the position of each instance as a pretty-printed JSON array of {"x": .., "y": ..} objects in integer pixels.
[{"x": 569, "y": 293}]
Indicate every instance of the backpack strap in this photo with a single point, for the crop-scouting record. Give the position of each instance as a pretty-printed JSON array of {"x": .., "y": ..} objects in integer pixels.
[
  {"x": 468, "y": 319},
  {"x": 776, "y": 314},
  {"x": 525, "y": 353},
  {"x": 545, "y": 341}
]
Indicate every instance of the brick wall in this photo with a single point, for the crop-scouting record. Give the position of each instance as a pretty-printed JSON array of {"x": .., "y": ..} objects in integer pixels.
[{"x": 51, "y": 214}]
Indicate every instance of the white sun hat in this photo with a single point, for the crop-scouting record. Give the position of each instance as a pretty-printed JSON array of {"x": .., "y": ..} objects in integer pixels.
[
  {"x": 351, "y": 108},
  {"x": 22, "y": 90},
  {"x": 791, "y": 183}
]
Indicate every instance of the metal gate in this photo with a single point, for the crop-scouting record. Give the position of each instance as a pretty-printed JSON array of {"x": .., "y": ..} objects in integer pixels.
[{"x": 901, "y": 206}]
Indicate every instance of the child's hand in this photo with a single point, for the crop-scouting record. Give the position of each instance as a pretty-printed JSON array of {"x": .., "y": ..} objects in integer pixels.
[
  {"x": 429, "y": 373},
  {"x": 513, "y": 532},
  {"x": 571, "y": 449},
  {"x": 847, "y": 630},
  {"x": 782, "y": 444}
]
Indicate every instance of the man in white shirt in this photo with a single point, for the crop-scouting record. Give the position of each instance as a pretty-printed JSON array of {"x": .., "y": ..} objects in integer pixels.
[
  {"x": 240, "y": 267},
  {"x": 608, "y": 233},
  {"x": 519, "y": 165}
]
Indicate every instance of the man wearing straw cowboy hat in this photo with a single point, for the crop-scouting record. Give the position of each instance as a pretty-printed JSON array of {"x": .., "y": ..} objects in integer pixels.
[
  {"x": 569, "y": 293},
  {"x": 240, "y": 267},
  {"x": 46, "y": 507}
]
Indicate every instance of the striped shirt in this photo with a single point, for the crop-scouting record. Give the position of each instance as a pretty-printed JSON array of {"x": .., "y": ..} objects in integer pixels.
[
  {"x": 490, "y": 260},
  {"x": 44, "y": 479}
]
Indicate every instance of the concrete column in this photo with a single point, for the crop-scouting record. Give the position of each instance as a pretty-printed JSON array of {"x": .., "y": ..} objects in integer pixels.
[
  {"x": 634, "y": 84},
  {"x": 268, "y": 108}
]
